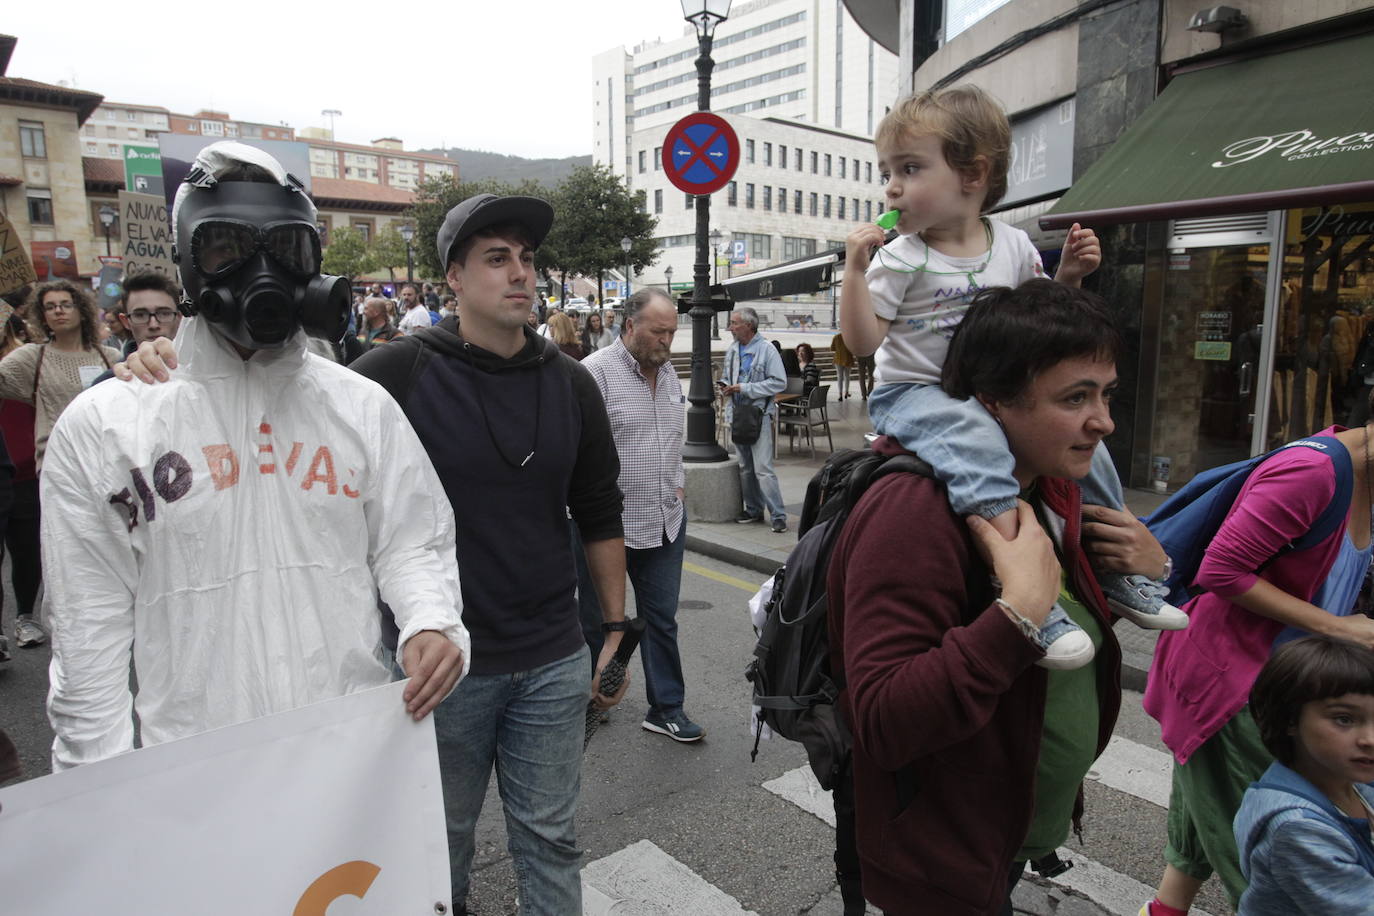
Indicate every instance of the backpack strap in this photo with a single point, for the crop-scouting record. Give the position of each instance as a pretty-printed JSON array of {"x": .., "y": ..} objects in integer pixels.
[{"x": 1334, "y": 515}]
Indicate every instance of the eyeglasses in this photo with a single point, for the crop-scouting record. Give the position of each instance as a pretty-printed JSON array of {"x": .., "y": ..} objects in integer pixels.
[
  {"x": 59, "y": 306},
  {"x": 163, "y": 316},
  {"x": 221, "y": 246}
]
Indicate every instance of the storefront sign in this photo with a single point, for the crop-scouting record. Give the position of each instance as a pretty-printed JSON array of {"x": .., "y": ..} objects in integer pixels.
[
  {"x": 1041, "y": 154},
  {"x": 1336, "y": 221},
  {"x": 16, "y": 270},
  {"x": 143, "y": 169},
  {"x": 1294, "y": 145},
  {"x": 339, "y": 799},
  {"x": 1212, "y": 349}
]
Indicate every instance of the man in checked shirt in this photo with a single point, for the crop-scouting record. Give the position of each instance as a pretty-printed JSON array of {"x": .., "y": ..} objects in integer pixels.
[{"x": 644, "y": 400}]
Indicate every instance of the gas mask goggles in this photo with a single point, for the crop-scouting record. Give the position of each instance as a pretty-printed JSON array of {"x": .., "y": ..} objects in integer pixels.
[{"x": 249, "y": 256}]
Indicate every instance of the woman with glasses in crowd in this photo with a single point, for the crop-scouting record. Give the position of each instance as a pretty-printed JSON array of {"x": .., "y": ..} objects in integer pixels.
[{"x": 49, "y": 374}]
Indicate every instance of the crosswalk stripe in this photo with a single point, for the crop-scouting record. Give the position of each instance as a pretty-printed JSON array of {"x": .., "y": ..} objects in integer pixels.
[
  {"x": 1117, "y": 893},
  {"x": 1136, "y": 770},
  {"x": 641, "y": 878}
]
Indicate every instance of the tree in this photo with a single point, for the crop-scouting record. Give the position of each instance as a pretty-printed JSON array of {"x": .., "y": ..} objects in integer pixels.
[
  {"x": 436, "y": 196},
  {"x": 388, "y": 250},
  {"x": 596, "y": 209},
  {"x": 348, "y": 254}
]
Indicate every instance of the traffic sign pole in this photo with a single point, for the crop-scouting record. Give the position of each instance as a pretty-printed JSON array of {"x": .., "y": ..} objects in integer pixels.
[{"x": 700, "y": 155}]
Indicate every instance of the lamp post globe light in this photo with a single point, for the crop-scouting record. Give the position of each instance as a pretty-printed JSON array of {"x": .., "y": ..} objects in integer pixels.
[
  {"x": 408, "y": 234},
  {"x": 625, "y": 245},
  {"x": 701, "y": 443},
  {"x": 107, "y": 218}
]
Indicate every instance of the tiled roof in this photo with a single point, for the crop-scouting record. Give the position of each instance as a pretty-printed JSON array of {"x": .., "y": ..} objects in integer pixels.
[
  {"x": 21, "y": 90},
  {"x": 99, "y": 172},
  {"x": 348, "y": 193}
]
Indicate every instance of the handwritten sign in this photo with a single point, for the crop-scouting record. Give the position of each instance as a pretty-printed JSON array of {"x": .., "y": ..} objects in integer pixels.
[
  {"x": 147, "y": 234},
  {"x": 16, "y": 270}
]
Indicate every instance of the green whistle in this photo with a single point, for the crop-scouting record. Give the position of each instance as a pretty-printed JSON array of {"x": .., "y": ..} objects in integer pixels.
[{"x": 889, "y": 219}]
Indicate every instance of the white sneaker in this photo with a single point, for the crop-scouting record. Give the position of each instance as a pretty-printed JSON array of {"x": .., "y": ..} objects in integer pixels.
[
  {"x": 1066, "y": 645},
  {"x": 29, "y": 632},
  {"x": 1141, "y": 600}
]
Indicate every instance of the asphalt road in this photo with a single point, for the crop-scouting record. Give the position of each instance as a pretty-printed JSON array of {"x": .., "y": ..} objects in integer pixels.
[{"x": 705, "y": 806}]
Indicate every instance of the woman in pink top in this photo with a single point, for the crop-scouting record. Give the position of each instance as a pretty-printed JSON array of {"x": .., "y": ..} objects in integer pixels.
[{"x": 1201, "y": 677}]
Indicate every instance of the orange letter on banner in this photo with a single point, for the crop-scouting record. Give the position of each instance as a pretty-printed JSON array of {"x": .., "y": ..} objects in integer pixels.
[
  {"x": 292, "y": 458},
  {"x": 264, "y": 465},
  {"x": 223, "y": 465},
  {"x": 322, "y": 457},
  {"x": 352, "y": 878}
]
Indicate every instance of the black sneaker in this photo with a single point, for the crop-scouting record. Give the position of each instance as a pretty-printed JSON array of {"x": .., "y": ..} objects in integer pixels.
[
  {"x": 744, "y": 518},
  {"x": 677, "y": 726},
  {"x": 779, "y": 526}
]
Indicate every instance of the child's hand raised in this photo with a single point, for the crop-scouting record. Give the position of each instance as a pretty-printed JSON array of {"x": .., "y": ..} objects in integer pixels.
[
  {"x": 1081, "y": 255},
  {"x": 860, "y": 244}
]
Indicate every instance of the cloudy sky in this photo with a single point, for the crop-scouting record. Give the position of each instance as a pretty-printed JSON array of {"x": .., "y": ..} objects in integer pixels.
[{"x": 510, "y": 76}]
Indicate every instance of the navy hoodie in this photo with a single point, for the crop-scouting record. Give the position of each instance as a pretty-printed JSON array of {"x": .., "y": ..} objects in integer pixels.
[{"x": 519, "y": 444}]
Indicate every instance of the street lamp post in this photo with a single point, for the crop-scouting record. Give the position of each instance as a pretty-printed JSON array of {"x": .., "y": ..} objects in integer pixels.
[
  {"x": 668, "y": 280},
  {"x": 107, "y": 218},
  {"x": 716, "y": 236},
  {"x": 625, "y": 245},
  {"x": 701, "y": 442},
  {"x": 408, "y": 233}
]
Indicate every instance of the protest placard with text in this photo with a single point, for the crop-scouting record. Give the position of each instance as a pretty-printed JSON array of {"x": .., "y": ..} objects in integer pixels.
[{"x": 147, "y": 231}]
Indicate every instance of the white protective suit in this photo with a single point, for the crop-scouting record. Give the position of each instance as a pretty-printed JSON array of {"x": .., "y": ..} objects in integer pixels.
[{"x": 234, "y": 525}]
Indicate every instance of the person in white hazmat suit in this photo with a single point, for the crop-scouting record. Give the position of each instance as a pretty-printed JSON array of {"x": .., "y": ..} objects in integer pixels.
[{"x": 232, "y": 529}]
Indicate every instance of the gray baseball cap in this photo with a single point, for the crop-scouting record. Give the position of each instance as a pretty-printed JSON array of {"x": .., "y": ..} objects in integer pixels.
[{"x": 485, "y": 210}]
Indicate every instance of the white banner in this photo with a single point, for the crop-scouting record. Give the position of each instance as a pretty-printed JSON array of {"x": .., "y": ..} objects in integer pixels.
[{"x": 279, "y": 815}]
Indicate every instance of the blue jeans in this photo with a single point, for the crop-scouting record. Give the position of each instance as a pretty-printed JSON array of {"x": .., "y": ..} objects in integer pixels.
[
  {"x": 757, "y": 478},
  {"x": 530, "y": 725},
  {"x": 968, "y": 449},
  {"x": 656, "y": 576}
]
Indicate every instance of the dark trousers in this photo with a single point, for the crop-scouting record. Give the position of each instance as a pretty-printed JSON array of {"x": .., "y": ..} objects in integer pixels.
[
  {"x": 866, "y": 365},
  {"x": 21, "y": 542},
  {"x": 656, "y": 577}
]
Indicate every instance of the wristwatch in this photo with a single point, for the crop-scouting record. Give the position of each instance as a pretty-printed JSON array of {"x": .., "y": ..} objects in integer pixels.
[{"x": 615, "y": 626}]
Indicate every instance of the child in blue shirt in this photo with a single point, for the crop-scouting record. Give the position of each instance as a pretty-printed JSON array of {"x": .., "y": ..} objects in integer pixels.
[
  {"x": 1303, "y": 829},
  {"x": 944, "y": 157}
]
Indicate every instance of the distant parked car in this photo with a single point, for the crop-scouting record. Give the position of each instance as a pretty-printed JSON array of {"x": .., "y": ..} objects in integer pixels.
[
  {"x": 576, "y": 304},
  {"x": 611, "y": 302}
]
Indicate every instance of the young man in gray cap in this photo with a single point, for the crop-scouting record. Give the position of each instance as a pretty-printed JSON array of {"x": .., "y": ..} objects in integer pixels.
[{"x": 519, "y": 435}]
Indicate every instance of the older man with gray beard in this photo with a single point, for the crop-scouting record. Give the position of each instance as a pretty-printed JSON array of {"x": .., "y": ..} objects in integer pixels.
[{"x": 644, "y": 400}]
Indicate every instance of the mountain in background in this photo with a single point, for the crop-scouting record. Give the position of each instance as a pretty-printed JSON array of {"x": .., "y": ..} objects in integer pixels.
[{"x": 474, "y": 165}]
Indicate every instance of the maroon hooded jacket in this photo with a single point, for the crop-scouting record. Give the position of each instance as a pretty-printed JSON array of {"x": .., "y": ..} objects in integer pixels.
[{"x": 943, "y": 696}]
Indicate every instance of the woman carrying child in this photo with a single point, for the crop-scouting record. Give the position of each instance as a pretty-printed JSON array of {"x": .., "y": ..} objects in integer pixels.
[{"x": 944, "y": 157}]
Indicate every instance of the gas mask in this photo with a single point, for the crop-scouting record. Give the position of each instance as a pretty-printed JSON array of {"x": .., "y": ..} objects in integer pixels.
[{"x": 249, "y": 257}]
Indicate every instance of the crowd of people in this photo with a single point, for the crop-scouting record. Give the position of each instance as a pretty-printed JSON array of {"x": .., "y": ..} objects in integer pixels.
[{"x": 980, "y": 668}]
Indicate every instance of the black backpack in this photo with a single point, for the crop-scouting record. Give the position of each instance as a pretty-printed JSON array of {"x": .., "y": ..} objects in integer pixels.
[{"x": 794, "y": 686}]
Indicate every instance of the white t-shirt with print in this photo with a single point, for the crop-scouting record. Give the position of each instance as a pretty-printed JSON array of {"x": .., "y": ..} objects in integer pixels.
[{"x": 925, "y": 306}]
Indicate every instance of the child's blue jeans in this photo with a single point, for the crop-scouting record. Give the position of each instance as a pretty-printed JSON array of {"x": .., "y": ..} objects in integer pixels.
[{"x": 968, "y": 449}]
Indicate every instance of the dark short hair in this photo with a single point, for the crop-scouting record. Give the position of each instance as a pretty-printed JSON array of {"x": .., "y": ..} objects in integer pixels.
[
  {"x": 1307, "y": 669},
  {"x": 411, "y": 285},
  {"x": 1010, "y": 336},
  {"x": 148, "y": 279},
  {"x": 810, "y": 353},
  {"x": 518, "y": 231}
]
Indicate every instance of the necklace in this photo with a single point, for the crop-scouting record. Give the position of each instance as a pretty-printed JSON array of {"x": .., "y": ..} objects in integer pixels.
[
  {"x": 486, "y": 421},
  {"x": 923, "y": 267}
]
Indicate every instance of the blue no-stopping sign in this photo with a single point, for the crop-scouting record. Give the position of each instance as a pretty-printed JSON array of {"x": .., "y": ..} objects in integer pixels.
[{"x": 701, "y": 153}]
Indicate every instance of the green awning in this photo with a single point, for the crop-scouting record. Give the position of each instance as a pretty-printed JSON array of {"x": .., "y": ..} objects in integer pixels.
[{"x": 1294, "y": 129}]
